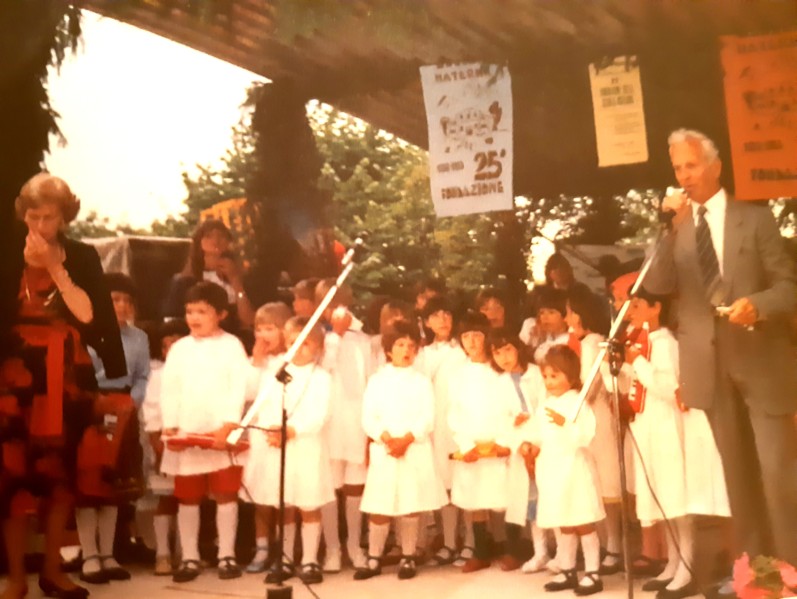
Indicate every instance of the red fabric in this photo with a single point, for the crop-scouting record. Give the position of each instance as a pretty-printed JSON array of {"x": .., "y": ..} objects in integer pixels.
[
  {"x": 638, "y": 392},
  {"x": 99, "y": 449},
  {"x": 220, "y": 482}
]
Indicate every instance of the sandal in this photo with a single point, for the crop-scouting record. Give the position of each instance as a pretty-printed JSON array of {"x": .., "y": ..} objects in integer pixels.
[
  {"x": 373, "y": 567},
  {"x": 407, "y": 567},
  {"x": 611, "y": 568},
  {"x": 589, "y": 585},
  {"x": 189, "y": 569},
  {"x": 311, "y": 573},
  {"x": 568, "y": 582},
  {"x": 444, "y": 556},
  {"x": 97, "y": 577},
  {"x": 228, "y": 568}
]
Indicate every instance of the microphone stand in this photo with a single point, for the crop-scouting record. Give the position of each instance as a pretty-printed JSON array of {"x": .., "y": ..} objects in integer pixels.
[
  {"x": 614, "y": 347},
  {"x": 280, "y": 590}
]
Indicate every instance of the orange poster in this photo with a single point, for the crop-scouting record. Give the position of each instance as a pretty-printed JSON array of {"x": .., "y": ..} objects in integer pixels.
[{"x": 761, "y": 103}]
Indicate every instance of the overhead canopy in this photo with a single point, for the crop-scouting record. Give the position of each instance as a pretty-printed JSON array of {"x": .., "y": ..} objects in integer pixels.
[{"x": 363, "y": 56}]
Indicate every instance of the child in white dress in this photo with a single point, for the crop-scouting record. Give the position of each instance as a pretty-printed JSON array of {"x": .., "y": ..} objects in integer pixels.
[
  {"x": 308, "y": 481},
  {"x": 551, "y": 312},
  {"x": 269, "y": 346},
  {"x": 510, "y": 357},
  {"x": 588, "y": 327},
  {"x": 398, "y": 414},
  {"x": 567, "y": 479},
  {"x": 159, "y": 484},
  {"x": 347, "y": 357},
  {"x": 481, "y": 416},
  {"x": 203, "y": 392},
  {"x": 439, "y": 361}
]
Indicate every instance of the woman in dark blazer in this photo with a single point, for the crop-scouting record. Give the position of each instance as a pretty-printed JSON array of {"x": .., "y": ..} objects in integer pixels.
[{"x": 54, "y": 304}]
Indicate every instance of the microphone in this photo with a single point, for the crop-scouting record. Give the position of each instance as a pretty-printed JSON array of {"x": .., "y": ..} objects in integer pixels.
[{"x": 666, "y": 215}]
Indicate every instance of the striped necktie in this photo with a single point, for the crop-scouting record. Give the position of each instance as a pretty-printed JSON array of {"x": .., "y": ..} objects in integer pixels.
[{"x": 707, "y": 257}]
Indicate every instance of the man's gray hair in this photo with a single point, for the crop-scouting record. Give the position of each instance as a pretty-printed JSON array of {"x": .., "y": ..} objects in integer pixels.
[{"x": 710, "y": 152}]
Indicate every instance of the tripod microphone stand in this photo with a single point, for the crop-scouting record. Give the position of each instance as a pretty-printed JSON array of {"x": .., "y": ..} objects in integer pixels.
[{"x": 280, "y": 590}]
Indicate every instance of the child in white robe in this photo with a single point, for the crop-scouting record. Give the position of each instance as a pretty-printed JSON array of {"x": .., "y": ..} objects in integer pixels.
[
  {"x": 391, "y": 311},
  {"x": 308, "y": 480},
  {"x": 347, "y": 357},
  {"x": 398, "y": 414},
  {"x": 481, "y": 416},
  {"x": 439, "y": 361},
  {"x": 159, "y": 484},
  {"x": 551, "y": 312},
  {"x": 587, "y": 323},
  {"x": 562, "y": 431},
  {"x": 659, "y": 440},
  {"x": 269, "y": 346},
  {"x": 510, "y": 356},
  {"x": 203, "y": 392}
]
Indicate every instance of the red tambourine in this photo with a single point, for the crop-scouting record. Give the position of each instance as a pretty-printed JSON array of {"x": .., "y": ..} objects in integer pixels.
[{"x": 202, "y": 442}]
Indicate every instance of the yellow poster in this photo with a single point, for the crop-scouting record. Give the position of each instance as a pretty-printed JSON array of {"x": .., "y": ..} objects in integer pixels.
[{"x": 761, "y": 103}]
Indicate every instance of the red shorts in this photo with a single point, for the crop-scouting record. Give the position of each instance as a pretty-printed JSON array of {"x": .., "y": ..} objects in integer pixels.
[{"x": 197, "y": 486}]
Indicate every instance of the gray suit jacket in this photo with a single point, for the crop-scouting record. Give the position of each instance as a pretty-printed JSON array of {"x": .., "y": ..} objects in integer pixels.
[{"x": 755, "y": 265}]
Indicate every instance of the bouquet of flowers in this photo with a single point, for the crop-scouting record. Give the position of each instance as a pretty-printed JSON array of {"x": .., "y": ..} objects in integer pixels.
[{"x": 763, "y": 578}]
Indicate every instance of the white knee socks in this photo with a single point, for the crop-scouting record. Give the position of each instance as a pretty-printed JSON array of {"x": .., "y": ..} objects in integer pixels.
[
  {"x": 227, "y": 527},
  {"x": 311, "y": 536},
  {"x": 188, "y": 529},
  {"x": 289, "y": 542},
  {"x": 106, "y": 525},
  {"x": 377, "y": 537},
  {"x": 86, "y": 520},
  {"x": 161, "y": 524},
  {"x": 686, "y": 542},
  {"x": 409, "y": 534},
  {"x": 566, "y": 554},
  {"x": 591, "y": 546},
  {"x": 539, "y": 540}
]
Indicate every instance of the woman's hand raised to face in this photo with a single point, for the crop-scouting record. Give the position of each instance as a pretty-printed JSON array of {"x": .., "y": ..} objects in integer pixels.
[{"x": 40, "y": 253}]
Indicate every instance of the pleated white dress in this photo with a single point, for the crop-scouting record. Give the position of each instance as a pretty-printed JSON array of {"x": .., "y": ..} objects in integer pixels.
[
  {"x": 440, "y": 362},
  {"x": 308, "y": 478},
  {"x": 481, "y": 409},
  {"x": 518, "y": 483},
  {"x": 400, "y": 401},
  {"x": 567, "y": 478}
]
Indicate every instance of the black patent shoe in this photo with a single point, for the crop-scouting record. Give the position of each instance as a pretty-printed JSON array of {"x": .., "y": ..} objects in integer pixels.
[
  {"x": 570, "y": 582},
  {"x": 189, "y": 569},
  {"x": 372, "y": 568},
  {"x": 50, "y": 589},
  {"x": 688, "y": 590},
  {"x": 593, "y": 585},
  {"x": 654, "y": 584},
  {"x": 407, "y": 568},
  {"x": 116, "y": 572},
  {"x": 228, "y": 568},
  {"x": 97, "y": 577},
  {"x": 311, "y": 574},
  {"x": 280, "y": 572}
]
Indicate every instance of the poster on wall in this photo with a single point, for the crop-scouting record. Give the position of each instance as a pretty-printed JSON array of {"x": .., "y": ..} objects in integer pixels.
[
  {"x": 619, "y": 112},
  {"x": 761, "y": 104},
  {"x": 469, "y": 114}
]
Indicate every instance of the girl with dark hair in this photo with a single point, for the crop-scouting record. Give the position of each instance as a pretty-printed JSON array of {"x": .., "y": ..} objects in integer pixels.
[
  {"x": 510, "y": 359},
  {"x": 211, "y": 259}
]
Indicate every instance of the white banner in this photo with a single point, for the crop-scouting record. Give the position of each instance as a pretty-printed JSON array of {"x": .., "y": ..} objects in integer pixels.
[
  {"x": 469, "y": 113},
  {"x": 619, "y": 113}
]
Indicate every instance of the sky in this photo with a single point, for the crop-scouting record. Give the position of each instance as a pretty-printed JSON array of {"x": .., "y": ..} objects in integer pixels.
[{"x": 137, "y": 110}]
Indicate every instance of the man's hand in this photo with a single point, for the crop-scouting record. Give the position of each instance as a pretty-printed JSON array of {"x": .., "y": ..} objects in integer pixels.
[
  {"x": 555, "y": 417},
  {"x": 743, "y": 312},
  {"x": 678, "y": 203}
]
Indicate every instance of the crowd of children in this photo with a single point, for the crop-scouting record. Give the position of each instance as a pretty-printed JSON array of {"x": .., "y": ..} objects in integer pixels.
[{"x": 436, "y": 418}]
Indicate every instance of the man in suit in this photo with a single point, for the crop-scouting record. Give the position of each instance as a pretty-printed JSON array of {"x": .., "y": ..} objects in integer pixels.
[{"x": 735, "y": 283}]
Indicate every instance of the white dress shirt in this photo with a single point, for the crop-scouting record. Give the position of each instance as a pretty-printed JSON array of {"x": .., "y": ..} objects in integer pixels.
[{"x": 715, "y": 217}]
